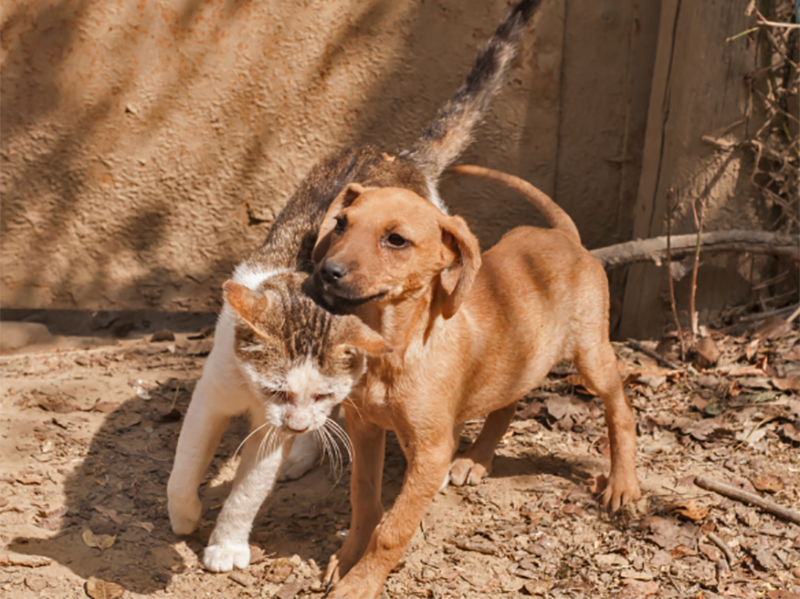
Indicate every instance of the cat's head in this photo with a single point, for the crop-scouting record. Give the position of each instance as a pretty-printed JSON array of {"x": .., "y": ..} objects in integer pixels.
[{"x": 300, "y": 359}]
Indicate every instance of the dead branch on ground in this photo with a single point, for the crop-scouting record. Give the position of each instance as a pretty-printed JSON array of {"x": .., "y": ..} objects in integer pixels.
[{"x": 751, "y": 498}]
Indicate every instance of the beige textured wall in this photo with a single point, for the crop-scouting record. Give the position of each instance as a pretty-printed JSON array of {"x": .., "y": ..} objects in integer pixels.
[{"x": 146, "y": 146}]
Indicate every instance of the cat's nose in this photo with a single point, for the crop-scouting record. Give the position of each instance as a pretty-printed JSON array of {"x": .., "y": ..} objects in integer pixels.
[{"x": 332, "y": 272}]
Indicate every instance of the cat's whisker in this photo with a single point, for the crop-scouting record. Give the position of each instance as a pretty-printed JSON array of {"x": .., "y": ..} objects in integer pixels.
[
  {"x": 342, "y": 434},
  {"x": 349, "y": 401},
  {"x": 260, "y": 453},
  {"x": 253, "y": 432},
  {"x": 337, "y": 432},
  {"x": 337, "y": 466}
]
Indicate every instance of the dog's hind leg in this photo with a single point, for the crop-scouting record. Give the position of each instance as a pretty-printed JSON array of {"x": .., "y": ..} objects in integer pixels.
[
  {"x": 598, "y": 365},
  {"x": 471, "y": 466}
]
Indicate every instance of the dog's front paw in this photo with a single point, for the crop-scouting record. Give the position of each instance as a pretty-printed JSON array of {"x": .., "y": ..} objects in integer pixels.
[
  {"x": 224, "y": 558},
  {"x": 464, "y": 470},
  {"x": 355, "y": 588},
  {"x": 184, "y": 514},
  {"x": 621, "y": 488}
]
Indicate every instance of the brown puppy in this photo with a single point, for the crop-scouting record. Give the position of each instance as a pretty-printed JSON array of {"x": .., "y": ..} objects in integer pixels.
[{"x": 470, "y": 336}]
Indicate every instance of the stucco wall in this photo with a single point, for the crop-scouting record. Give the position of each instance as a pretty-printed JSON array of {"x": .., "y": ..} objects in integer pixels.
[{"x": 147, "y": 146}]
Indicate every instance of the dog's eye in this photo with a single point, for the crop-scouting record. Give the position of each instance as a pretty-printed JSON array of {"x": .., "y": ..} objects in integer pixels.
[
  {"x": 323, "y": 396},
  {"x": 396, "y": 241},
  {"x": 341, "y": 224}
]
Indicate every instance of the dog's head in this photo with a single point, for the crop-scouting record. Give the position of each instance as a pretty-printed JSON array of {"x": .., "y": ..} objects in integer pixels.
[{"x": 388, "y": 244}]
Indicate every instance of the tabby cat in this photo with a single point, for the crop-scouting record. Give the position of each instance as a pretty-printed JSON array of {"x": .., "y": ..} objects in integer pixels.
[{"x": 281, "y": 356}]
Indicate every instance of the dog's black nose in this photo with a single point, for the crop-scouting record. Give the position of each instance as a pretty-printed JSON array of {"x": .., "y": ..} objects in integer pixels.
[{"x": 332, "y": 272}]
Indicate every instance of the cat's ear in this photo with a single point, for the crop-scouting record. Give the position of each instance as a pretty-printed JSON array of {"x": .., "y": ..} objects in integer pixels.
[
  {"x": 356, "y": 335},
  {"x": 347, "y": 196},
  {"x": 246, "y": 303}
]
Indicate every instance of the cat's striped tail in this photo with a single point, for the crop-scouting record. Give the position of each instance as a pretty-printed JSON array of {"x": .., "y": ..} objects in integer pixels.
[{"x": 451, "y": 130}]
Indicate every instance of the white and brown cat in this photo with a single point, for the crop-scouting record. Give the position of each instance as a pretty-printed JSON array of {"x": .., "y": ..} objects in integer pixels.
[{"x": 278, "y": 354}]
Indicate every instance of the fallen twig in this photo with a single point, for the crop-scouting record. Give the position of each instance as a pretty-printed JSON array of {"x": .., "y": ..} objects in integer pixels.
[
  {"x": 751, "y": 498},
  {"x": 655, "y": 249},
  {"x": 723, "y": 546},
  {"x": 771, "y": 313},
  {"x": 654, "y": 354}
]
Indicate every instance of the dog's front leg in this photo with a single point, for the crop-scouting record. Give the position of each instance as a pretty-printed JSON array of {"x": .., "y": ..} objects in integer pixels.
[
  {"x": 369, "y": 443},
  {"x": 428, "y": 462}
]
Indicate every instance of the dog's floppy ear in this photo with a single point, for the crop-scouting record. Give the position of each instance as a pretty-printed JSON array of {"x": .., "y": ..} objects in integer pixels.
[
  {"x": 246, "y": 303},
  {"x": 347, "y": 196},
  {"x": 457, "y": 237}
]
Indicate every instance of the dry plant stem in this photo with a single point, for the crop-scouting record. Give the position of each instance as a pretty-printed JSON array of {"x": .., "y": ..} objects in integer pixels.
[
  {"x": 750, "y": 498},
  {"x": 654, "y": 250},
  {"x": 765, "y": 23},
  {"x": 714, "y": 538},
  {"x": 669, "y": 276},
  {"x": 654, "y": 354},
  {"x": 771, "y": 313},
  {"x": 699, "y": 222}
]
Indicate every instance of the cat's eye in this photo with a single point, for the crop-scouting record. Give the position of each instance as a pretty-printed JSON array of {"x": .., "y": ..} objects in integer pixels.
[
  {"x": 396, "y": 241},
  {"x": 280, "y": 396},
  {"x": 341, "y": 224},
  {"x": 323, "y": 396}
]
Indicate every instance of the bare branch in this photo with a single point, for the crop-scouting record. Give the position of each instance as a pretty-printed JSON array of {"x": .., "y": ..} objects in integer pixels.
[{"x": 655, "y": 249}]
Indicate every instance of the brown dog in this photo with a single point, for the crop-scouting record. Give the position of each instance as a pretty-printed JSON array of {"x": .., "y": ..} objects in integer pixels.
[{"x": 470, "y": 336}]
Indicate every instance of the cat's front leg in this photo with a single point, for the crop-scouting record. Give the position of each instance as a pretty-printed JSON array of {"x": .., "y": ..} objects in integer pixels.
[
  {"x": 262, "y": 457},
  {"x": 304, "y": 454},
  {"x": 201, "y": 432}
]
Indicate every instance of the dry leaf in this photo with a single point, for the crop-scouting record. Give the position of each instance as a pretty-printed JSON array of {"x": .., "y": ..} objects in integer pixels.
[
  {"x": 690, "y": 509},
  {"x": 707, "y": 352},
  {"x": 290, "y": 590},
  {"x": 746, "y": 371},
  {"x": 257, "y": 554},
  {"x": 148, "y": 526},
  {"x": 100, "y": 542},
  {"x": 782, "y": 594},
  {"x": 789, "y": 431},
  {"x": 773, "y": 328},
  {"x": 100, "y": 589},
  {"x": 681, "y": 551},
  {"x": 636, "y": 589},
  {"x": 770, "y": 483},
  {"x": 279, "y": 570},
  {"x": 109, "y": 513},
  {"x": 539, "y": 587},
  {"x": 790, "y": 383},
  {"x": 576, "y": 380}
]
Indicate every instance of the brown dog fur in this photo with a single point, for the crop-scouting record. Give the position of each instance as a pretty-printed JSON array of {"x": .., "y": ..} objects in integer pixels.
[{"x": 470, "y": 335}]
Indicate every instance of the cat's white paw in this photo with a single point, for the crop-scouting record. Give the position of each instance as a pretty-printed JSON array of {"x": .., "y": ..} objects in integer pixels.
[
  {"x": 184, "y": 513},
  {"x": 224, "y": 558}
]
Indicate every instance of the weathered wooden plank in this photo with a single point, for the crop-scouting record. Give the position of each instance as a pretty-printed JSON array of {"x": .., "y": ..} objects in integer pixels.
[{"x": 698, "y": 89}]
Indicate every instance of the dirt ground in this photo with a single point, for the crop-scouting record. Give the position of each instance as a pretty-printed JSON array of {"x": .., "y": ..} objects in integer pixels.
[{"x": 87, "y": 438}]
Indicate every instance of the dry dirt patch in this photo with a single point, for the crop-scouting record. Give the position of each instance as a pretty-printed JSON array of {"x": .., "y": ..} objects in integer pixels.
[{"x": 88, "y": 436}]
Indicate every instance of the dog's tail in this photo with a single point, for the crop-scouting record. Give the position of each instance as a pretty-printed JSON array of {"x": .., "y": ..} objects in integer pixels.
[
  {"x": 555, "y": 215},
  {"x": 451, "y": 130}
]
